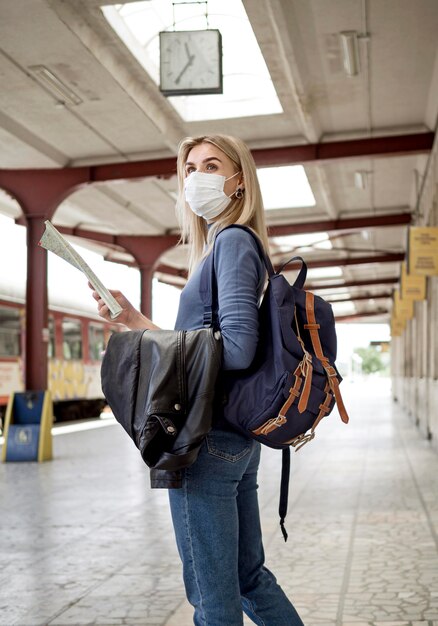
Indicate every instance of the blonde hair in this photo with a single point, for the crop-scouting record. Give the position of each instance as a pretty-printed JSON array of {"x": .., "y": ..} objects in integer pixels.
[{"x": 247, "y": 210}]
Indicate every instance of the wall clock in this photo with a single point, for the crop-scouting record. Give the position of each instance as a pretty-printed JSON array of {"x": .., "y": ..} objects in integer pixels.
[{"x": 190, "y": 62}]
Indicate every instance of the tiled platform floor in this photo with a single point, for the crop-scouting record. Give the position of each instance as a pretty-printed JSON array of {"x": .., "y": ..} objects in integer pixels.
[{"x": 85, "y": 541}]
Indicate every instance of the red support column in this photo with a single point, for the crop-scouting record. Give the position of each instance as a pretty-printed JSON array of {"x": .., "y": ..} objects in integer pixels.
[
  {"x": 146, "y": 250},
  {"x": 36, "y": 360},
  {"x": 146, "y": 276},
  {"x": 39, "y": 192}
]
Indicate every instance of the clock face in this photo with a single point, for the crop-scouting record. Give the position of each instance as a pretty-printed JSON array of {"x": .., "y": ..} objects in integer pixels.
[{"x": 190, "y": 62}]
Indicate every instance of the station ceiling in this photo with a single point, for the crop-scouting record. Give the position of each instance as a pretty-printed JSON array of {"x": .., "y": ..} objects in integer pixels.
[{"x": 120, "y": 116}]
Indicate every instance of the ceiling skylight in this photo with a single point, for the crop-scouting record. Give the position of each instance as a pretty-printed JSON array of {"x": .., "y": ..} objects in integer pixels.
[
  {"x": 343, "y": 308},
  {"x": 248, "y": 88},
  {"x": 285, "y": 187},
  {"x": 303, "y": 243},
  {"x": 324, "y": 272}
]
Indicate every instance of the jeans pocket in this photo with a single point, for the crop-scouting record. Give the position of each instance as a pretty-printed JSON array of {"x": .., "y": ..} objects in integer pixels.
[{"x": 228, "y": 445}]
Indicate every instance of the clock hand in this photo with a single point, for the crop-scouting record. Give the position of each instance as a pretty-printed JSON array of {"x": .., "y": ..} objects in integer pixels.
[{"x": 185, "y": 68}]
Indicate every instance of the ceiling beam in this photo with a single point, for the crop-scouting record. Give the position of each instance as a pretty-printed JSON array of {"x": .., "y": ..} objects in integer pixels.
[
  {"x": 352, "y": 223},
  {"x": 353, "y": 283},
  {"x": 113, "y": 240},
  {"x": 280, "y": 230},
  {"x": 355, "y": 316},
  {"x": 169, "y": 270},
  {"x": 316, "y": 263},
  {"x": 390, "y": 146},
  {"x": 378, "y": 296},
  {"x": 311, "y": 287},
  {"x": 267, "y": 157},
  {"x": 342, "y": 262}
]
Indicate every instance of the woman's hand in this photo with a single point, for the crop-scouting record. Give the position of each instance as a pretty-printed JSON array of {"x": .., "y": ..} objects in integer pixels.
[{"x": 129, "y": 316}]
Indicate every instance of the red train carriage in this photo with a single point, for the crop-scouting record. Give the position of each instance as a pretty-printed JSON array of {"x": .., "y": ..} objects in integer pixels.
[{"x": 75, "y": 346}]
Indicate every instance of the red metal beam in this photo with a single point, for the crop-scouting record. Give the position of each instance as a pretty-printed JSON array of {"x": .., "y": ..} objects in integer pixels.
[
  {"x": 171, "y": 283},
  {"x": 355, "y": 316},
  {"x": 120, "y": 240},
  {"x": 371, "y": 147},
  {"x": 336, "y": 262},
  {"x": 279, "y": 230},
  {"x": 387, "y": 146},
  {"x": 160, "y": 168},
  {"x": 353, "y": 223},
  {"x": 311, "y": 287},
  {"x": 172, "y": 271},
  {"x": 92, "y": 235},
  {"x": 379, "y": 296},
  {"x": 353, "y": 283}
]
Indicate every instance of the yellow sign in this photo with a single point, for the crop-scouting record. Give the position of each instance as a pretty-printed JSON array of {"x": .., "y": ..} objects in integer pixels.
[
  {"x": 413, "y": 287},
  {"x": 423, "y": 250},
  {"x": 397, "y": 327},
  {"x": 403, "y": 309}
]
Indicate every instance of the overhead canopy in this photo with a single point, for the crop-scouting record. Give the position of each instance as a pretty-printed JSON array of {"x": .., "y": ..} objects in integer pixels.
[{"x": 107, "y": 108}]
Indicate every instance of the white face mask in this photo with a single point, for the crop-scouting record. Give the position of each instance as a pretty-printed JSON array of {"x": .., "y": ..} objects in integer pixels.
[{"x": 205, "y": 195}]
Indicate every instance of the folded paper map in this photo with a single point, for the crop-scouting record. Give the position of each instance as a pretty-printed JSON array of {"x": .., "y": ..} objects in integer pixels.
[{"x": 53, "y": 241}]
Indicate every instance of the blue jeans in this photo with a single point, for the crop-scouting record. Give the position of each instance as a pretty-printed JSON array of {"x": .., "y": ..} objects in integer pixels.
[{"x": 217, "y": 526}]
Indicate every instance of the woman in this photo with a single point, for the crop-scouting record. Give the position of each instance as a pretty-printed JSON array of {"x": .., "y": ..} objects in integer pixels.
[{"x": 215, "y": 512}]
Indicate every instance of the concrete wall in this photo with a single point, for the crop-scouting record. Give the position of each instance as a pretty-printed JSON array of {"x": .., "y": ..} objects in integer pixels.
[{"x": 414, "y": 355}]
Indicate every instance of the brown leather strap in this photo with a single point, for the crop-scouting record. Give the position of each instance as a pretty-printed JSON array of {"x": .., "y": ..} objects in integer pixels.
[
  {"x": 308, "y": 371},
  {"x": 334, "y": 384},
  {"x": 294, "y": 392},
  {"x": 312, "y": 326},
  {"x": 324, "y": 408}
]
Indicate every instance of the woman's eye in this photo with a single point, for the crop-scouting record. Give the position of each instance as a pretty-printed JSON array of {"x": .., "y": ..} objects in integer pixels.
[
  {"x": 189, "y": 170},
  {"x": 211, "y": 167}
]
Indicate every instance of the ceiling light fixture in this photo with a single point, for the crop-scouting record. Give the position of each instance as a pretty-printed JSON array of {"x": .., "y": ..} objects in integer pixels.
[
  {"x": 350, "y": 51},
  {"x": 361, "y": 179},
  {"x": 58, "y": 89}
]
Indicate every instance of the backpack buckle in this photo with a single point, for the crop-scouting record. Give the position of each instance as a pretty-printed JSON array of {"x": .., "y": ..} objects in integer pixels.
[
  {"x": 330, "y": 371},
  {"x": 301, "y": 440},
  {"x": 270, "y": 425}
]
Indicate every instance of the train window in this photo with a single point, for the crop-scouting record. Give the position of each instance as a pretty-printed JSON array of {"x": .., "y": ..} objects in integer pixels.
[
  {"x": 9, "y": 332},
  {"x": 51, "y": 344},
  {"x": 71, "y": 339},
  {"x": 96, "y": 341}
]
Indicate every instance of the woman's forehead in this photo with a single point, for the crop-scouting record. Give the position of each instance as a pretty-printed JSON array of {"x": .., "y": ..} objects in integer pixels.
[{"x": 203, "y": 151}]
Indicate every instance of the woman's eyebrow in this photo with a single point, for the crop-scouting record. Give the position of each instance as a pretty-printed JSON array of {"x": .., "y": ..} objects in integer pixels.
[{"x": 212, "y": 158}]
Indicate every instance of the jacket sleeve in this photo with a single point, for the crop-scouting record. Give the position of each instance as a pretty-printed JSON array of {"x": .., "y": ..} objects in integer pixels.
[{"x": 240, "y": 275}]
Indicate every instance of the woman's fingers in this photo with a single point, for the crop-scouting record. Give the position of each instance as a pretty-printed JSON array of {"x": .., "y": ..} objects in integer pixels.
[{"x": 103, "y": 310}]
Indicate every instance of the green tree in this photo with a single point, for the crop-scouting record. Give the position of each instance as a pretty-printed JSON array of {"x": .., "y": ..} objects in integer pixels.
[{"x": 372, "y": 361}]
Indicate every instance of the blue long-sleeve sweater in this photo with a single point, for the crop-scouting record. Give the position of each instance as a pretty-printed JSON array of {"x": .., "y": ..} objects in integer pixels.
[{"x": 240, "y": 276}]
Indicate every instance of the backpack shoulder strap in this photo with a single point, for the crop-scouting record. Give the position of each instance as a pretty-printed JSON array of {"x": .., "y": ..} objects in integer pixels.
[{"x": 206, "y": 290}]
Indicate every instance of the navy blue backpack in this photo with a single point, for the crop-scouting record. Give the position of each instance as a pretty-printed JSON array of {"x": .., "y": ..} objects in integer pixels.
[{"x": 292, "y": 382}]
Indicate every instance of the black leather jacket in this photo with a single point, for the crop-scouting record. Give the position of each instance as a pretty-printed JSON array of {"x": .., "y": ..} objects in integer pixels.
[{"x": 160, "y": 385}]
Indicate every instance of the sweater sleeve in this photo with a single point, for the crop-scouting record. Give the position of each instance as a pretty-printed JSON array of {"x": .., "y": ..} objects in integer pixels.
[{"x": 240, "y": 276}]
